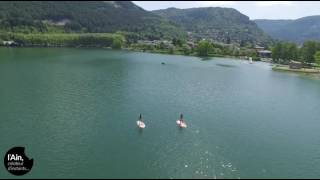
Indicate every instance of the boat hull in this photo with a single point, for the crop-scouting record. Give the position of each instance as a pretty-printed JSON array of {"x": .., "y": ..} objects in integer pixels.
[
  {"x": 181, "y": 124},
  {"x": 141, "y": 124}
]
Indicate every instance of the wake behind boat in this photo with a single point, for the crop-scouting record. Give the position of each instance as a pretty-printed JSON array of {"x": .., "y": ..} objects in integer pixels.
[
  {"x": 181, "y": 123},
  {"x": 140, "y": 123}
]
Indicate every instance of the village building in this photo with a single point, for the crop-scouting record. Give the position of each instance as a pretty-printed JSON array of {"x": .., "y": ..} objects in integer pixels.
[
  {"x": 9, "y": 43},
  {"x": 264, "y": 53}
]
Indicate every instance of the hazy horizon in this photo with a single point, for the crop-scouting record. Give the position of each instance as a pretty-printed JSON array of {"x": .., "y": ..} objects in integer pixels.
[{"x": 281, "y": 10}]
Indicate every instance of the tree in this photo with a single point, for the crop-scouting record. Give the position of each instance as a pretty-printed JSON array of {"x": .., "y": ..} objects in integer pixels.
[
  {"x": 177, "y": 42},
  {"x": 292, "y": 51},
  {"x": 217, "y": 51},
  {"x": 204, "y": 47},
  {"x": 162, "y": 45},
  {"x": 117, "y": 43},
  {"x": 254, "y": 55},
  {"x": 130, "y": 37},
  {"x": 317, "y": 57},
  {"x": 171, "y": 50},
  {"x": 186, "y": 49},
  {"x": 309, "y": 49},
  {"x": 276, "y": 52},
  {"x": 284, "y": 52}
]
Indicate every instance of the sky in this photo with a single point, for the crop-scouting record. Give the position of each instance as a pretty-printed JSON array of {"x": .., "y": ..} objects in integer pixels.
[{"x": 253, "y": 9}]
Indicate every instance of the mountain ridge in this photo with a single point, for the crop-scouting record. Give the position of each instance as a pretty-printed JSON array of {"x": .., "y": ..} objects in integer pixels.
[
  {"x": 297, "y": 30},
  {"x": 225, "y": 25}
]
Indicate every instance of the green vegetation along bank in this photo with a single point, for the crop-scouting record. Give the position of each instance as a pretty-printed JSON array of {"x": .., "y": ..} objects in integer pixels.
[
  {"x": 287, "y": 56},
  {"x": 279, "y": 67},
  {"x": 285, "y": 52},
  {"x": 63, "y": 40},
  {"x": 203, "y": 48}
]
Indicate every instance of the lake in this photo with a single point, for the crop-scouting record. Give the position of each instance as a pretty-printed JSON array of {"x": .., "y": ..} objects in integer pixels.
[{"x": 75, "y": 112}]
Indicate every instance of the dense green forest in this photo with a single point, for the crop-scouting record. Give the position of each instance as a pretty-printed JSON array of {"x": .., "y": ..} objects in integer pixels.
[
  {"x": 66, "y": 39},
  {"x": 284, "y": 52},
  {"x": 84, "y": 17}
]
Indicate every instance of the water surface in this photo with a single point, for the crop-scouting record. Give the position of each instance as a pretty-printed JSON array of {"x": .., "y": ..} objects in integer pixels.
[{"x": 75, "y": 111}]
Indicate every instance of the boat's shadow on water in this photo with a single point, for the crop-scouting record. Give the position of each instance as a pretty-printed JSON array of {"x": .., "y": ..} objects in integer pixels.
[
  {"x": 180, "y": 129},
  {"x": 206, "y": 58},
  {"x": 226, "y": 65},
  {"x": 140, "y": 131}
]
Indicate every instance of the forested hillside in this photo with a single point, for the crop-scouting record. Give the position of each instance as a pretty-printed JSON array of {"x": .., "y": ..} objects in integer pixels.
[
  {"x": 298, "y": 31},
  {"x": 84, "y": 16},
  {"x": 221, "y": 24}
]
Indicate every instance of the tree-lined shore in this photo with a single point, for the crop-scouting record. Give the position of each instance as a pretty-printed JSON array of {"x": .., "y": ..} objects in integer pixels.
[
  {"x": 308, "y": 53},
  {"x": 127, "y": 40},
  {"x": 63, "y": 39},
  {"x": 283, "y": 53}
]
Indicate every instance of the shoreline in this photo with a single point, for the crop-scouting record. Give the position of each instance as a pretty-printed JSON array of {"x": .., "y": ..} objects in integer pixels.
[
  {"x": 275, "y": 67},
  {"x": 127, "y": 49},
  {"x": 286, "y": 68}
]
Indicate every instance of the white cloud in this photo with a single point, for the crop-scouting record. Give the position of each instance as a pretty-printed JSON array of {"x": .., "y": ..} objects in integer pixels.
[
  {"x": 253, "y": 9},
  {"x": 274, "y": 3},
  {"x": 216, "y": 3}
]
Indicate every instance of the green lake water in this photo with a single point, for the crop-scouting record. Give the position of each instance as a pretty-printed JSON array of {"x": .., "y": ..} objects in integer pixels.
[{"x": 75, "y": 112}]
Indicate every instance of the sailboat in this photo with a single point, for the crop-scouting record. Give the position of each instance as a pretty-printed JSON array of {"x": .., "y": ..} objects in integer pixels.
[
  {"x": 140, "y": 122},
  {"x": 180, "y": 122}
]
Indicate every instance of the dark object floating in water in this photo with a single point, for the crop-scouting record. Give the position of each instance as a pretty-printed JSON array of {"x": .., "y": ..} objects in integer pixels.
[
  {"x": 163, "y": 63},
  {"x": 206, "y": 58},
  {"x": 226, "y": 65}
]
